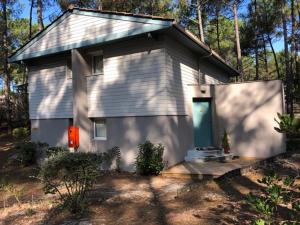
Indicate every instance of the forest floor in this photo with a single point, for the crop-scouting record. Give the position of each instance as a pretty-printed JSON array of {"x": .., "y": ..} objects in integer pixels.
[{"x": 123, "y": 198}]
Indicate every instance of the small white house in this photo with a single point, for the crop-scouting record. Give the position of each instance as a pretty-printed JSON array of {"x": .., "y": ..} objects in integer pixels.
[{"x": 124, "y": 78}]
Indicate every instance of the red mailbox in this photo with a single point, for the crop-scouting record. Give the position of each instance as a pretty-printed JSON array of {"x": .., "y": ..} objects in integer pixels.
[{"x": 73, "y": 137}]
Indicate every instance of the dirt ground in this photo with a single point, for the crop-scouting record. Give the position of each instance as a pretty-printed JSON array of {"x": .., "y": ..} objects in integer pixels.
[{"x": 130, "y": 199}]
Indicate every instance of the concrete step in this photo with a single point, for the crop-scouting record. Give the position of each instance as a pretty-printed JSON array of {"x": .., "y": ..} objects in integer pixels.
[{"x": 195, "y": 153}]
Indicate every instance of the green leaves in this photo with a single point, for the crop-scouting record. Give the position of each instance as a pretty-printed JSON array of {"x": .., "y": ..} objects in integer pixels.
[
  {"x": 150, "y": 158},
  {"x": 277, "y": 192},
  {"x": 76, "y": 172},
  {"x": 287, "y": 124}
]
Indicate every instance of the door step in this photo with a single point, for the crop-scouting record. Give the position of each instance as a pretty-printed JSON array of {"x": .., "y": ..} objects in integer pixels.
[{"x": 200, "y": 155}]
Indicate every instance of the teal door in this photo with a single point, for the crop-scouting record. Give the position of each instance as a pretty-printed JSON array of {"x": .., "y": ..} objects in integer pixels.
[{"x": 202, "y": 122}]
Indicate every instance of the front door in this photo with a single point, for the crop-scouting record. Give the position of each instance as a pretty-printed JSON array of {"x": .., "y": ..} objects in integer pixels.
[{"x": 202, "y": 122}]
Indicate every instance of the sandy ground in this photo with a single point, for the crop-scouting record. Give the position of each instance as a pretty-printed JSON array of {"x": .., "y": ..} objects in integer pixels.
[{"x": 131, "y": 199}]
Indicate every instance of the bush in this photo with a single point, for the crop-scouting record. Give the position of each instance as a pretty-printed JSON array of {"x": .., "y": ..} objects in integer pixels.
[
  {"x": 150, "y": 159},
  {"x": 53, "y": 151},
  {"x": 288, "y": 124},
  {"x": 111, "y": 155},
  {"x": 76, "y": 172},
  {"x": 27, "y": 152},
  {"x": 20, "y": 132}
]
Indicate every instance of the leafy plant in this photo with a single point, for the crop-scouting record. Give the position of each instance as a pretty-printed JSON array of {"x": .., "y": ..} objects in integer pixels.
[
  {"x": 225, "y": 142},
  {"x": 20, "y": 132},
  {"x": 27, "y": 152},
  {"x": 75, "y": 172},
  {"x": 11, "y": 189},
  {"x": 277, "y": 191},
  {"x": 150, "y": 158},
  {"x": 113, "y": 154},
  {"x": 287, "y": 124}
]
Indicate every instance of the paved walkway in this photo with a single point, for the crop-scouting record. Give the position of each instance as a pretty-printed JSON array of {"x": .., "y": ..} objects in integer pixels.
[{"x": 208, "y": 170}]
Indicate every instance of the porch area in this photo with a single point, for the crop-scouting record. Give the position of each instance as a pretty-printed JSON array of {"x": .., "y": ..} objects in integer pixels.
[{"x": 211, "y": 169}]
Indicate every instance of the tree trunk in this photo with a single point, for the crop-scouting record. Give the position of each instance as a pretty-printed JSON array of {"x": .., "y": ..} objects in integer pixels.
[
  {"x": 200, "y": 25},
  {"x": 266, "y": 57},
  {"x": 274, "y": 55},
  {"x": 40, "y": 15},
  {"x": 256, "y": 44},
  {"x": 6, "y": 66},
  {"x": 289, "y": 82},
  {"x": 238, "y": 45},
  {"x": 30, "y": 19},
  {"x": 294, "y": 49}
]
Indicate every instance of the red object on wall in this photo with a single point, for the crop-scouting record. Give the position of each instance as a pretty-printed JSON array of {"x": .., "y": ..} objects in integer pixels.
[{"x": 73, "y": 137}]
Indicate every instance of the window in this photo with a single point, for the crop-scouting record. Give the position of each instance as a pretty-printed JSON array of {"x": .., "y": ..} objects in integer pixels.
[
  {"x": 98, "y": 64},
  {"x": 100, "y": 129}
]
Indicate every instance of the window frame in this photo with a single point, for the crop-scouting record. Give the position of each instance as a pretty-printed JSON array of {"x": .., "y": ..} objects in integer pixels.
[
  {"x": 93, "y": 64},
  {"x": 94, "y": 129}
]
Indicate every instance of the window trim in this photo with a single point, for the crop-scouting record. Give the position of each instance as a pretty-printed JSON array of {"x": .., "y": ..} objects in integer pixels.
[
  {"x": 94, "y": 130},
  {"x": 95, "y": 55}
]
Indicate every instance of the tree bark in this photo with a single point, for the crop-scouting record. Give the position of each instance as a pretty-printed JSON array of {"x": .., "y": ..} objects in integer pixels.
[
  {"x": 237, "y": 39},
  {"x": 30, "y": 19},
  {"x": 200, "y": 24},
  {"x": 274, "y": 55},
  {"x": 40, "y": 14},
  {"x": 289, "y": 82},
  {"x": 266, "y": 57},
  {"x": 256, "y": 44},
  {"x": 294, "y": 49},
  {"x": 6, "y": 66}
]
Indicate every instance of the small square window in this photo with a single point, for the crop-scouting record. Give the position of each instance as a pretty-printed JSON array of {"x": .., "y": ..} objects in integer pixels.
[
  {"x": 98, "y": 64},
  {"x": 100, "y": 129}
]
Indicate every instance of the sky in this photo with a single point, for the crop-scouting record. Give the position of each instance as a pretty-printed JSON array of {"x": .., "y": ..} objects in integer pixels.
[{"x": 54, "y": 9}]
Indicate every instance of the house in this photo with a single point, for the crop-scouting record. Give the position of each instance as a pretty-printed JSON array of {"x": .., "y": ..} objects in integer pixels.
[{"x": 124, "y": 78}]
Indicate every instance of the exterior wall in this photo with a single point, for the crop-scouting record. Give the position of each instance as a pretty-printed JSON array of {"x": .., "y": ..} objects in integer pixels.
[
  {"x": 76, "y": 28},
  {"x": 133, "y": 83},
  {"x": 174, "y": 132},
  {"x": 50, "y": 89},
  {"x": 247, "y": 112},
  {"x": 184, "y": 68},
  {"x": 51, "y": 131},
  {"x": 80, "y": 67}
]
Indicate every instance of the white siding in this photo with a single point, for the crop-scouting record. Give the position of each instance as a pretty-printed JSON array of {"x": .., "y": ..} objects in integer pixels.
[
  {"x": 77, "y": 28},
  {"x": 133, "y": 83},
  {"x": 182, "y": 70},
  {"x": 50, "y": 92}
]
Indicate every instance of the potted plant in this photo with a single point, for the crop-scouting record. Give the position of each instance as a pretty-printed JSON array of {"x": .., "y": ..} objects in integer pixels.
[{"x": 225, "y": 143}]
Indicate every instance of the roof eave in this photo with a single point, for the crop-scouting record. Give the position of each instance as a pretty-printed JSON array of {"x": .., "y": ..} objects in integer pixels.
[{"x": 207, "y": 49}]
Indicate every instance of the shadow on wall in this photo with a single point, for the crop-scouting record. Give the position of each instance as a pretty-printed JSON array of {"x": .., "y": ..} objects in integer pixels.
[
  {"x": 132, "y": 90},
  {"x": 247, "y": 112}
]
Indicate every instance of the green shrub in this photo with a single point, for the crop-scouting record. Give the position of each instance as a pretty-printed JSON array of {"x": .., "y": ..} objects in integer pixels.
[
  {"x": 111, "y": 155},
  {"x": 76, "y": 172},
  {"x": 287, "y": 124},
  {"x": 53, "y": 151},
  {"x": 27, "y": 152},
  {"x": 150, "y": 159},
  {"x": 20, "y": 132}
]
